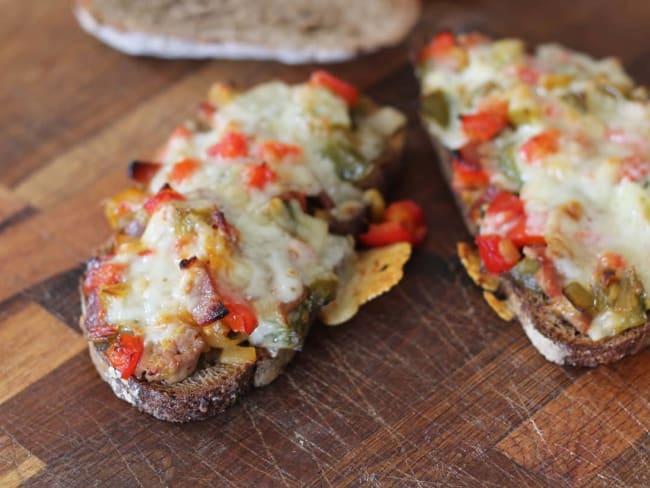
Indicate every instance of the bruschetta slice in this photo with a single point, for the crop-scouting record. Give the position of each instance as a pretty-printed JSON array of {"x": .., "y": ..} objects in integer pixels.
[
  {"x": 241, "y": 231},
  {"x": 548, "y": 156}
]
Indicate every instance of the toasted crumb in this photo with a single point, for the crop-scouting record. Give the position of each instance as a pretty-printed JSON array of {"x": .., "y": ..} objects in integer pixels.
[
  {"x": 499, "y": 306},
  {"x": 472, "y": 264}
]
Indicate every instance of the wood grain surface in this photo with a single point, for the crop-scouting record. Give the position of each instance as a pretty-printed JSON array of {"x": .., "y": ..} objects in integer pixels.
[{"x": 425, "y": 387}]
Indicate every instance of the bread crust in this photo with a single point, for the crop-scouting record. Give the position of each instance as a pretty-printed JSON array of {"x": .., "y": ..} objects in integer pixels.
[
  {"x": 212, "y": 388},
  {"x": 556, "y": 339},
  {"x": 150, "y": 41}
]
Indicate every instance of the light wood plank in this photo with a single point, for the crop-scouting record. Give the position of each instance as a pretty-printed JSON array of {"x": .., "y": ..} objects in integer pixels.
[
  {"x": 17, "y": 464},
  {"x": 33, "y": 343},
  {"x": 590, "y": 423}
]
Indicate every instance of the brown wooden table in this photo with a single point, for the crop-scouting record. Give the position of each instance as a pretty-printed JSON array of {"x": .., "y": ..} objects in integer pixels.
[{"x": 424, "y": 387}]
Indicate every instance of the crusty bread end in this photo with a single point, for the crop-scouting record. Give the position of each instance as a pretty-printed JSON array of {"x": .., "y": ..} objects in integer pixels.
[{"x": 290, "y": 31}]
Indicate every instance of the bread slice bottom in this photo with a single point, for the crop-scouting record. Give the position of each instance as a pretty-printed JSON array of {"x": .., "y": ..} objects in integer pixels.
[
  {"x": 207, "y": 392},
  {"x": 555, "y": 338}
]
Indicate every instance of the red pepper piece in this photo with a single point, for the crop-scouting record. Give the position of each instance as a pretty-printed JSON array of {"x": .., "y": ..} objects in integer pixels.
[
  {"x": 439, "y": 46},
  {"x": 384, "y": 233},
  {"x": 100, "y": 274},
  {"x": 506, "y": 216},
  {"x": 125, "y": 353},
  {"x": 403, "y": 222},
  {"x": 483, "y": 126},
  {"x": 277, "y": 151},
  {"x": 183, "y": 170},
  {"x": 165, "y": 195},
  {"x": 498, "y": 254},
  {"x": 346, "y": 91},
  {"x": 232, "y": 145},
  {"x": 467, "y": 176},
  {"x": 259, "y": 175},
  {"x": 540, "y": 146},
  {"x": 240, "y": 318}
]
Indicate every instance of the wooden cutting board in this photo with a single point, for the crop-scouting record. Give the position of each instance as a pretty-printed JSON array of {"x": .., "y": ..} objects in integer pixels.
[{"x": 424, "y": 387}]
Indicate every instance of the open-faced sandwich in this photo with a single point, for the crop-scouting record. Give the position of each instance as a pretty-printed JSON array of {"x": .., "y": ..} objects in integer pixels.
[
  {"x": 548, "y": 155},
  {"x": 239, "y": 233}
]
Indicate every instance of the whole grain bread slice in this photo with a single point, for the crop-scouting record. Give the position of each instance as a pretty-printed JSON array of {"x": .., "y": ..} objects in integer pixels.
[
  {"x": 555, "y": 338},
  {"x": 291, "y": 31},
  {"x": 215, "y": 386}
]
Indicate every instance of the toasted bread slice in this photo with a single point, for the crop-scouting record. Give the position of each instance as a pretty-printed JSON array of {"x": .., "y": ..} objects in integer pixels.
[
  {"x": 556, "y": 339},
  {"x": 291, "y": 31}
]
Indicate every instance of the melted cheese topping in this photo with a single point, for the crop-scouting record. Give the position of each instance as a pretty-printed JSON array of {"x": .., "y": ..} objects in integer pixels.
[
  {"x": 601, "y": 166},
  {"x": 262, "y": 250}
]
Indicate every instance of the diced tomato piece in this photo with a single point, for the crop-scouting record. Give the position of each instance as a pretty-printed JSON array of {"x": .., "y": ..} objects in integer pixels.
[
  {"x": 240, "y": 318},
  {"x": 506, "y": 217},
  {"x": 347, "y": 92},
  {"x": 403, "y": 222},
  {"x": 182, "y": 132},
  {"x": 183, "y": 170},
  {"x": 484, "y": 125},
  {"x": 498, "y": 254},
  {"x": 467, "y": 176},
  {"x": 634, "y": 168},
  {"x": 410, "y": 216},
  {"x": 540, "y": 146},
  {"x": 125, "y": 353},
  {"x": 384, "y": 233},
  {"x": 100, "y": 274},
  {"x": 165, "y": 195},
  {"x": 277, "y": 151},
  {"x": 232, "y": 145},
  {"x": 440, "y": 45},
  {"x": 259, "y": 175}
]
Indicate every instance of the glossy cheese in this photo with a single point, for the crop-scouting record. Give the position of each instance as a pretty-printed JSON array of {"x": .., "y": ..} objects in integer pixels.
[
  {"x": 223, "y": 238},
  {"x": 590, "y": 196}
]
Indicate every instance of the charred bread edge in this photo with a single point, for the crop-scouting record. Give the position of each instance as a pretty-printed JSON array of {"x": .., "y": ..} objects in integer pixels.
[
  {"x": 189, "y": 400},
  {"x": 556, "y": 339},
  {"x": 147, "y": 44}
]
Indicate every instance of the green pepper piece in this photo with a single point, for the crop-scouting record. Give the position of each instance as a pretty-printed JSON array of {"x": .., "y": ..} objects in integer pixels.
[
  {"x": 508, "y": 164},
  {"x": 324, "y": 290},
  {"x": 435, "y": 106},
  {"x": 348, "y": 162},
  {"x": 580, "y": 297},
  {"x": 524, "y": 273}
]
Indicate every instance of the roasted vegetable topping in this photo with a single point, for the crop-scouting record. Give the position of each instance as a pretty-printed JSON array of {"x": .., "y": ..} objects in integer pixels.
[
  {"x": 125, "y": 353},
  {"x": 164, "y": 196},
  {"x": 348, "y": 162},
  {"x": 485, "y": 125},
  {"x": 403, "y": 222},
  {"x": 232, "y": 145},
  {"x": 339, "y": 87},
  {"x": 436, "y": 107},
  {"x": 240, "y": 318}
]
